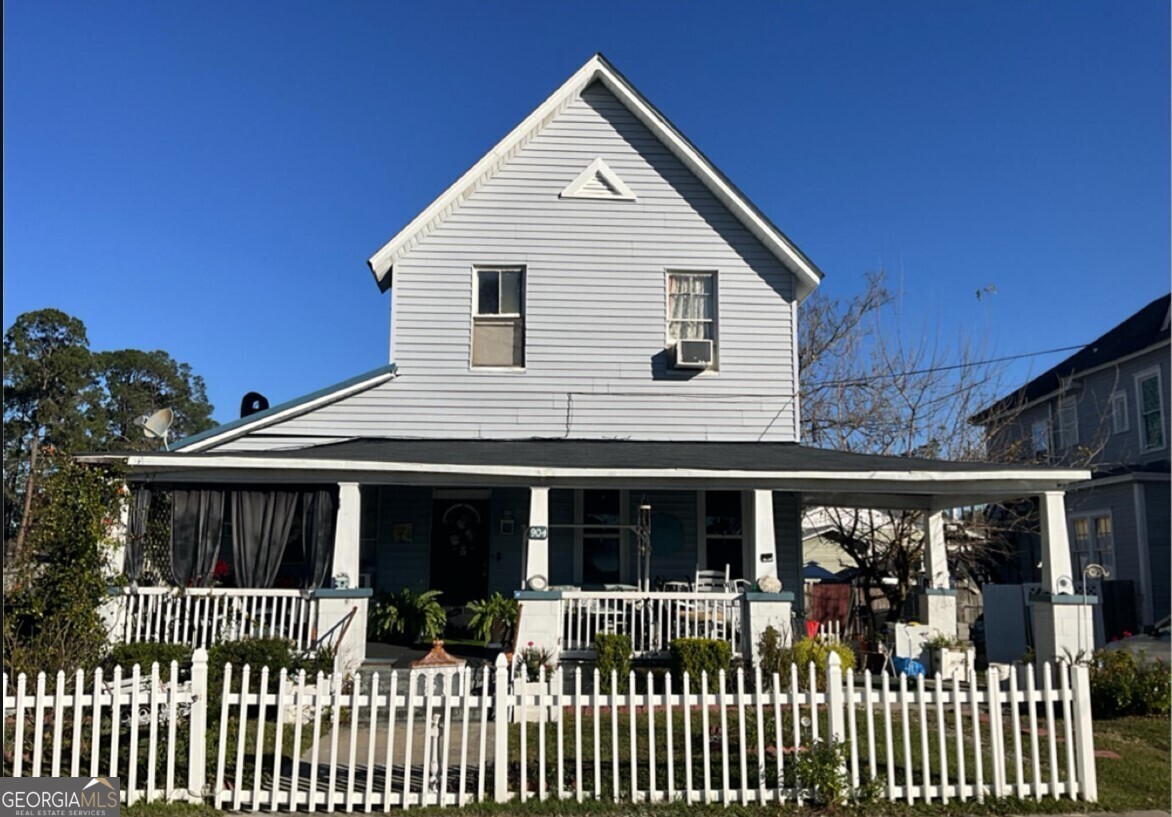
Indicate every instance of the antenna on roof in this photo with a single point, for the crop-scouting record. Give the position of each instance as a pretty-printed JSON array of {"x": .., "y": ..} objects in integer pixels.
[{"x": 156, "y": 426}]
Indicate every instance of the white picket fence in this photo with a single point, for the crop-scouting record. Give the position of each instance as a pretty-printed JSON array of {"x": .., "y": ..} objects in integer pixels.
[
  {"x": 652, "y": 620},
  {"x": 406, "y": 739},
  {"x": 202, "y": 616}
]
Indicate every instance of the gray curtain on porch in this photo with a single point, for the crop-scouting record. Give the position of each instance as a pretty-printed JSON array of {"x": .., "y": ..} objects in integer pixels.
[
  {"x": 197, "y": 521},
  {"x": 261, "y": 522},
  {"x": 318, "y": 509},
  {"x": 140, "y": 511}
]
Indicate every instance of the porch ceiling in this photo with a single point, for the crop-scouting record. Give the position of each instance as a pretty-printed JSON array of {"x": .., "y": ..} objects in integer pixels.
[{"x": 830, "y": 477}]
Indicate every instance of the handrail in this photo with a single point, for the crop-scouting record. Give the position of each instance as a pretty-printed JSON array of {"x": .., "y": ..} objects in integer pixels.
[
  {"x": 126, "y": 590},
  {"x": 674, "y": 595}
]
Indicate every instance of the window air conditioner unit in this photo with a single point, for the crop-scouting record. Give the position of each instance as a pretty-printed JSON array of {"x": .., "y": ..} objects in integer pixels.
[{"x": 693, "y": 354}]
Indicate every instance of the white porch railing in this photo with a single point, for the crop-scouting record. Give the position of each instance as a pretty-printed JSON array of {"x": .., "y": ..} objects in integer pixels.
[
  {"x": 200, "y": 617},
  {"x": 651, "y": 620}
]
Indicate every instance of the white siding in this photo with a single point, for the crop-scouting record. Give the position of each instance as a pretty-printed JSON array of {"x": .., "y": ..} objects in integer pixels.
[{"x": 595, "y": 306}]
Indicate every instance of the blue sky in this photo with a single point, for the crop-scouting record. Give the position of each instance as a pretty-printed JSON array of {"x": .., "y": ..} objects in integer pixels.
[{"x": 209, "y": 178}]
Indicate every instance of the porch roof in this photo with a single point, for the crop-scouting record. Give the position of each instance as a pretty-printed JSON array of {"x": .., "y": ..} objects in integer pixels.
[{"x": 828, "y": 477}]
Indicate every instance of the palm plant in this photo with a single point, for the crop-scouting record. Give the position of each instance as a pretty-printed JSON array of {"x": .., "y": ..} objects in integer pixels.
[
  {"x": 493, "y": 617},
  {"x": 409, "y": 614}
]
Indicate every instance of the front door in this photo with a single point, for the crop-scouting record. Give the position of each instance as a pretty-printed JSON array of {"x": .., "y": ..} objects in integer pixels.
[{"x": 459, "y": 549}]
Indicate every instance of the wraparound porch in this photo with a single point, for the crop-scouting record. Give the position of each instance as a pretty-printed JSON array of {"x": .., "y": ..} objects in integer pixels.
[{"x": 534, "y": 501}]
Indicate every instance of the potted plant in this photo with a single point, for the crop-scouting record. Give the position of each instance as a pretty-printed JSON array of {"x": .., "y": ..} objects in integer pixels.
[
  {"x": 407, "y": 617},
  {"x": 493, "y": 619},
  {"x": 529, "y": 662},
  {"x": 950, "y": 655}
]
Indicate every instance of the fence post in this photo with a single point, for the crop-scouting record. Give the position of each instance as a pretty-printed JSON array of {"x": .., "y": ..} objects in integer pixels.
[
  {"x": 1084, "y": 738},
  {"x": 198, "y": 725},
  {"x": 500, "y": 732},
  {"x": 834, "y": 698}
]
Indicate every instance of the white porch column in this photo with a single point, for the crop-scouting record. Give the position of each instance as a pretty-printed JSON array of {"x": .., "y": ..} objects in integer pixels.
[
  {"x": 938, "y": 600},
  {"x": 1063, "y": 622},
  {"x": 347, "y": 532},
  {"x": 764, "y": 540},
  {"x": 1056, "y": 564},
  {"x": 537, "y": 536},
  {"x": 342, "y": 612}
]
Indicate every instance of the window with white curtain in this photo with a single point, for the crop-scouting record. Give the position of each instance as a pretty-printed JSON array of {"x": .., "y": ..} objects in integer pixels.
[
  {"x": 691, "y": 306},
  {"x": 1092, "y": 541}
]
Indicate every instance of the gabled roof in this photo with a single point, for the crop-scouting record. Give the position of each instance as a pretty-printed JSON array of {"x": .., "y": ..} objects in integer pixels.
[
  {"x": 598, "y": 69},
  {"x": 1145, "y": 328}
]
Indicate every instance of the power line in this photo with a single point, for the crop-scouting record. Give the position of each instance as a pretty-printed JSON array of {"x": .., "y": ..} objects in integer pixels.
[{"x": 950, "y": 367}]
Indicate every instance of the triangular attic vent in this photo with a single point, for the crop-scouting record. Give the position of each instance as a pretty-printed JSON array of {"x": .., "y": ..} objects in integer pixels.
[{"x": 598, "y": 181}]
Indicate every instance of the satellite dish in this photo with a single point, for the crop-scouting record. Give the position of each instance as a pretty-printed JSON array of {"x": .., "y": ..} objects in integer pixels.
[{"x": 155, "y": 426}]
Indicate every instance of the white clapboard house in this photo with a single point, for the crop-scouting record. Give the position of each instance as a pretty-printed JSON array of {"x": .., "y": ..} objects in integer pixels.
[{"x": 592, "y": 397}]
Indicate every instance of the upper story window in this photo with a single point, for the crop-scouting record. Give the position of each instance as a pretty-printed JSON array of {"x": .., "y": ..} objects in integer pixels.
[
  {"x": 498, "y": 317},
  {"x": 1067, "y": 423},
  {"x": 1149, "y": 394},
  {"x": 1040, "y": 434},
  {"x": 691, "y": 297},
  {"x": 1120, "y": 422},
  {"x": 691, "y": 318}
]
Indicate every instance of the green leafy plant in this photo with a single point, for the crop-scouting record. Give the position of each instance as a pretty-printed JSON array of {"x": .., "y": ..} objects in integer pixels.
[
  {"x": 940, "y": 641},
  {"x": 697, "y": 655},
  {"x": 408, "y": 616},
  {"x": 51, "y": 607},
  {"x": 771, "y": 652},
  {"x": 817, "y": 651},
  {"x": 146, "y": 653},
  {"x": 821, "y": 770},
  {"x": 612, "y": 653},
  {"x": 320, "y": 661},
  {"x": 1121, "y": 685},
  {"x": 493, "y": 618},
  {"x": 533, "y": 659}
]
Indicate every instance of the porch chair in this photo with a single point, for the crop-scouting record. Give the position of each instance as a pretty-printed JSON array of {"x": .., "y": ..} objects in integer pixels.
[{"x": 711, "y": 581}]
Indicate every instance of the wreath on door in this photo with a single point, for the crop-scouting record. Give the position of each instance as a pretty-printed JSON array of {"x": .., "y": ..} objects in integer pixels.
[{"x": 460, "y": 523}]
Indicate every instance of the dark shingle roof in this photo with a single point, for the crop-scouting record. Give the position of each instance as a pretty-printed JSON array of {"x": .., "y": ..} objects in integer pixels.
[
  {"x": 1141, "y": 330},
  {"x": 611, "y": 454}
]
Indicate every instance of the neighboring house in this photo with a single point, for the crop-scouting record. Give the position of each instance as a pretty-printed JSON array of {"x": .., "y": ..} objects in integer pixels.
[
  {"x": 1107, "y": 407},
  {"x": 589, "y": 321}
]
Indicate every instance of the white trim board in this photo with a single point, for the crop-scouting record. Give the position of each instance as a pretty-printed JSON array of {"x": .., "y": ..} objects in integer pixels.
[
  {"x": 1001, "y": 479},
  {"x": 596, "y": 69}
]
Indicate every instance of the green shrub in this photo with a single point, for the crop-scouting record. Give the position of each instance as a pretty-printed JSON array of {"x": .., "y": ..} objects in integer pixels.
[
  {"x": 697, "y": 655},
  {"x": 257, "y": 653},
  {"x": 1153, "y": 690},
  {"x": 1120, "y": 685},
  {"x": 321, "y": 661},
  {"x": 771, "y": 653},
  {"x": 821, "y": 771},
  {"x": 613, "y": 653},
  {"x": 818, "y": 651},
  {"x": 407, "y": 616},
  {"x": 144, "y": 654}
]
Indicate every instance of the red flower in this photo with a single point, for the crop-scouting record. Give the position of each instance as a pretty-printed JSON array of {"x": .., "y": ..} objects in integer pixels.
[
  {"x": 221, "y": 569},
  {"x": 812, "y": 628},
  {"x": 1126, "y": 634}
]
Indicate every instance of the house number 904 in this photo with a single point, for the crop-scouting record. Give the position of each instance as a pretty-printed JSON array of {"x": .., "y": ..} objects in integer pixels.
[{"x": 538, "y": 532}]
